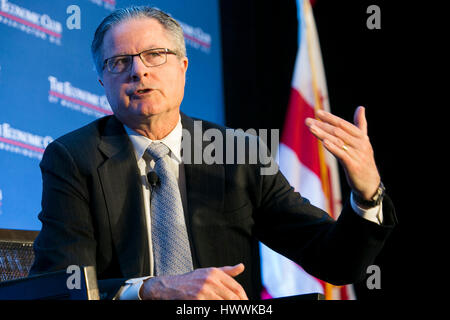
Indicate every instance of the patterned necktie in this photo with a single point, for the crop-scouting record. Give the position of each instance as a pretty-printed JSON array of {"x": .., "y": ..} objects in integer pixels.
[{"x": 171, "y": 251}]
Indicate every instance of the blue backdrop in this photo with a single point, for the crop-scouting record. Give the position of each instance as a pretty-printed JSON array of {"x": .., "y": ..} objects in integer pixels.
[{"x": 48, "y": 85}]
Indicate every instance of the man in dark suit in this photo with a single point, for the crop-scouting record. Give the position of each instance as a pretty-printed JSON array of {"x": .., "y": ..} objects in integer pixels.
[{"x": 96, "y": 203}]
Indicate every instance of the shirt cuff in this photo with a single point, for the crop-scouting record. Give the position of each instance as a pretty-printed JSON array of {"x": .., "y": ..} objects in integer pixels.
[
  {"x": 130, "y": 290},
  {"x": 374, "y": 214}
]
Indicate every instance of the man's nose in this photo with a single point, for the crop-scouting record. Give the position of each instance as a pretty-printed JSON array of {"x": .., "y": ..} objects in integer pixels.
[{"x": 138, "y": 68}]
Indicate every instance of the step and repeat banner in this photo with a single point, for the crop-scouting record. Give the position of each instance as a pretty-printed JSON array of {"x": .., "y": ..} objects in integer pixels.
[{"x": 48, "y": 85}]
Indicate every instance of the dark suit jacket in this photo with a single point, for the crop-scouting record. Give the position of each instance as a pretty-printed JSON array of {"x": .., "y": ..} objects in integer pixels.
[{"x": 93, "y": 214}]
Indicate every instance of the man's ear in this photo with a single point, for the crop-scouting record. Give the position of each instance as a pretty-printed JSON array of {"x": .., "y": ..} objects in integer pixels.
[
  {"x": 100, "y": 80},
  {"x": 185, "y": 62}
]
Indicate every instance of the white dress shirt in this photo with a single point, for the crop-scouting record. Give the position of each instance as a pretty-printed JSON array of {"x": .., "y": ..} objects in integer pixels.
[
  {"x": 145, "y": 164},
  {"x": 130, "y": 291}
]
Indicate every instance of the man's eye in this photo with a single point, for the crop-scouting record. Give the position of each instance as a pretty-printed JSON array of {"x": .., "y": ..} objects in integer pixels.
[
  {"x": 154, "y": 54},
  {"x": 120, "y": 61}
]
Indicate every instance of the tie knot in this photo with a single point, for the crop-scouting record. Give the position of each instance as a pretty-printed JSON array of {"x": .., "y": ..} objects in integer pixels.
[{"x": 157, "y": 150}]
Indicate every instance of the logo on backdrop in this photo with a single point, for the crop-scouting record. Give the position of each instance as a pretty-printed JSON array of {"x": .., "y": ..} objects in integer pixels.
[
  {"x": 69, "y": 96},
  {"x": 196, "y": 37},
  {"x": 107, "y": 4},
  {"x": 39, "y": 25},
  {"x": 22, "y": 142}
]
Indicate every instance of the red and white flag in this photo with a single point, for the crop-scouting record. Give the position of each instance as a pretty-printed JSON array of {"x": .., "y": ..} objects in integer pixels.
[{"x": 307, "y": 165}]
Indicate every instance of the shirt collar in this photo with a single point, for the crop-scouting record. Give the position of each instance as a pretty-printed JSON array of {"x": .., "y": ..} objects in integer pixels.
[{"x": 172, "y": 141}]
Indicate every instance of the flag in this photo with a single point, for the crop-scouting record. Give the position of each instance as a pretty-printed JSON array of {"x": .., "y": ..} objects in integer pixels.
[{"x": 307, "y": 165}]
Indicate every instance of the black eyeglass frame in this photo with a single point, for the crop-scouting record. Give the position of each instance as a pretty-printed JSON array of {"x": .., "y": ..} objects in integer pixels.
[{"x": 164, "y": 50}]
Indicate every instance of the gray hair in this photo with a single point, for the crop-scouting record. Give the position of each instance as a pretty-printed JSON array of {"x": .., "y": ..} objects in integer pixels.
[{"x": 123, "y": 14}]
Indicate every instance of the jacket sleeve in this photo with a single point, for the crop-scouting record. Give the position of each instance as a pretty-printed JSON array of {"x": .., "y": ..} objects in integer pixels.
[
  {"x": 67, "y": 235},
  {"x": 338, "y": 252}
]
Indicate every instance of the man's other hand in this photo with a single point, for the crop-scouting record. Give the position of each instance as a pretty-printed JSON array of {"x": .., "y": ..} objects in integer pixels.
[{"x": 200, "y": 284}]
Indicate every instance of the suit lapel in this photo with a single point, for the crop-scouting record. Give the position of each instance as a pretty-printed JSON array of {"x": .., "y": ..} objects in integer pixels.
[
  {"x": 120, "y": 180},
  {"x": 204, "y": 189}
]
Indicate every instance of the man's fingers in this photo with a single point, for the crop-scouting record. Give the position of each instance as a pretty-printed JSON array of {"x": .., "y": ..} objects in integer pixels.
[
  {"x": 230, "y": 283},
  {"x": 359, "y": 119},
  {"x": 233, "y": 271},
  {"x": 203, "y": 283},
  {"x": 323, "y": 130},
  {"x": 339, "y": 123}
]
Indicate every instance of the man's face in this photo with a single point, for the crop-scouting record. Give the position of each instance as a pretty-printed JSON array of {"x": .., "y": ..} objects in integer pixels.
[{"x": 142, "y": 92}]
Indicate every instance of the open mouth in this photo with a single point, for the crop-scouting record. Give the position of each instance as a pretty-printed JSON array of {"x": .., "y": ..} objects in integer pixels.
[{"x": 142, "y": 91}]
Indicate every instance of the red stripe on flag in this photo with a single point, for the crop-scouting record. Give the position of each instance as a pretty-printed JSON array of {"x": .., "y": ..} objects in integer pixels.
[
  {"x": 344, "y": 293},
  {"x": 296, "y": 134},
  {"x": 332, "y": 210}
]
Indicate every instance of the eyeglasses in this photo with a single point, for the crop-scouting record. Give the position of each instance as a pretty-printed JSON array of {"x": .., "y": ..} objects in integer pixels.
[{"x": 150, "y": 58}]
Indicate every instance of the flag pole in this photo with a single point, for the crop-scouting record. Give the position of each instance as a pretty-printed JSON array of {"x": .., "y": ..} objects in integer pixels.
[{"x": 325, "y": 179}]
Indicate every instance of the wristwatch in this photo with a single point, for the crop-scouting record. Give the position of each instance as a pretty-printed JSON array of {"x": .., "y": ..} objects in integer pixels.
[{"x": 376, "y": 199}]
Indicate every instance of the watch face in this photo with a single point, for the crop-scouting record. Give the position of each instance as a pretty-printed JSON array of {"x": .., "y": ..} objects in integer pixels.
[
  {"x": 377, "y": 195},
  {"x": 376, "y": 199},
  {"x": 380, "y": 193}
]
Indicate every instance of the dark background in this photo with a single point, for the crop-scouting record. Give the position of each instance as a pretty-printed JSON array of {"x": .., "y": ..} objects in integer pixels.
[{"x": 363, "y": 67}]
